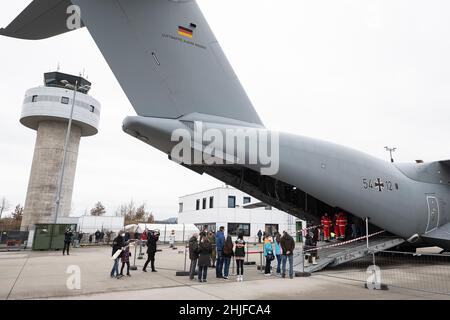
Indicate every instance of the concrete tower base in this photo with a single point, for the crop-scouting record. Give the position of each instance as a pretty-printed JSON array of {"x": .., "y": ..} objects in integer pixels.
[{"x": 45, "y": 171}]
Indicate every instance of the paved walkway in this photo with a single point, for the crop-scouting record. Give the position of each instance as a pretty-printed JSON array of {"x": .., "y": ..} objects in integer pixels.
[{"x": 43, "y": 275}]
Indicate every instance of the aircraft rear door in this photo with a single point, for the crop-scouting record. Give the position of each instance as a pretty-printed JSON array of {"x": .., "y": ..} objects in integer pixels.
[{"x": 433, "y": 212}]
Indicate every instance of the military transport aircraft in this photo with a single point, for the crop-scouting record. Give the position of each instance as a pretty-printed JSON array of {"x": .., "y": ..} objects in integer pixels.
[{"x": 176, "y": 76}]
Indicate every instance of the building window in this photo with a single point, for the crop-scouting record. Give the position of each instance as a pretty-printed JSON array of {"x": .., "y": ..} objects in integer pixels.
[
  {"x": 204, "y": 203},
  {"x": 197, "y": 205},
  {"x": 92, "y": 109},
  {"x": 180, "y": 207},
  {"x": 268, "y": 208},
  {"x": 34, "y": 99},
  {"x": 65, "y": 100},
  {"x": 231, "y": 202},
  {"x": 234, "y": 229},
  {"x": 247, "y": 200},
  {"x": 211, "y": 202}
]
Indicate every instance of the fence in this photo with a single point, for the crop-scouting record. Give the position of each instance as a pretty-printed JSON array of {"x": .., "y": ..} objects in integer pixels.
[
  {"x": 413, "y": 271},
  {"x": 15, "y": 240}
]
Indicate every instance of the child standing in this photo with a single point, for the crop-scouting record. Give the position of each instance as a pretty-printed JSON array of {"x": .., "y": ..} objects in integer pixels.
[
  {"x": 125, "y": 257},
  {"x": 239, "y": 253}
]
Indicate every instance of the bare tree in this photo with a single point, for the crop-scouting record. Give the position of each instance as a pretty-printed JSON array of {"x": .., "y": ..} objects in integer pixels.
[
  {"x": 134, "y": 215},
  {"x": 17, "y": 214},
  {"x": 98, "y": 210}
]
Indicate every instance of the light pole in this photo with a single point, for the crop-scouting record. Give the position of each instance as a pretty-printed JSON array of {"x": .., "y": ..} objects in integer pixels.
[
  {"x": 69, "y": 128},
  {"x": 391, "y": 150}
]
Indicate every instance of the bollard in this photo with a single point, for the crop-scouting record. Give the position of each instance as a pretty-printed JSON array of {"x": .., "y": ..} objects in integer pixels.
[
  {"x": 134, "y": 267},
  {"x": 184, "y": 258},
  {"x": 140, "y": 250},
  {"x": 232, "y": 272},
  {"x": 261, "y": 267},
  {"x": 248, "y": 263},
  {"x": 183, "y": 273}
]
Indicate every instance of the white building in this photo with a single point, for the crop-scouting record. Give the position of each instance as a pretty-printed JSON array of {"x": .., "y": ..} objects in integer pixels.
[{"x": 235, "y": 210}]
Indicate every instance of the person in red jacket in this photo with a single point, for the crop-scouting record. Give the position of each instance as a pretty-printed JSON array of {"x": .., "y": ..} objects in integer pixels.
[
  {"x": 325, "y": 221},
  {"x": 342, "y": 224}
]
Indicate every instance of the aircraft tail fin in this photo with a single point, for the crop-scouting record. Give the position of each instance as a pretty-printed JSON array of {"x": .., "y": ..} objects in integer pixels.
[
  {"x": 41, "y": 19},
  {"x": 162, "y": 52},
  {"x": 166, "y": 58}
]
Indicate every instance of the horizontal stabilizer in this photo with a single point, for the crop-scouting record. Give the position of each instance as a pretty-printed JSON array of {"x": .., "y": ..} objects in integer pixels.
[
  {"x": 445, "y": 163},
  {"x": 40, "y": 20}
]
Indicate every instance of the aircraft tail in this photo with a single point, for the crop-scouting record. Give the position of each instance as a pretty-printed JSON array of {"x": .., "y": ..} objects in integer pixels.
[{"x": 165, "y": 57}]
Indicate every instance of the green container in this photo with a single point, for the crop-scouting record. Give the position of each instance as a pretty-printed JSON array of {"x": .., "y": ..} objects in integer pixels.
[{"x": 50, "y": 236}]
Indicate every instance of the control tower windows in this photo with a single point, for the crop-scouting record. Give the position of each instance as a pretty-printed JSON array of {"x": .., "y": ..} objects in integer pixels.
[
  {"x": 34, "y": 99},
  {"x": 92, "y": 108},
  {"x": 65, "y": 100}
]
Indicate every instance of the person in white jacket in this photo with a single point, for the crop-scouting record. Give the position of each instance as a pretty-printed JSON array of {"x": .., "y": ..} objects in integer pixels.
[{"x": 172, "y": 239}]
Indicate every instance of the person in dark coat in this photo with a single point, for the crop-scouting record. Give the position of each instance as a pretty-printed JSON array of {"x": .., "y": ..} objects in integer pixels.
[
  {"x": 153, "y": 238},
  {"x": 67, "y": 240},
  {"x": 117, "y": 244},
  {"x": 227, "y": 256},
  {"x": 97, "y": 236},
  {"x": 287, "y": 245},
  {"x": 239, "y": 253},
  {"x": 193, "y": 254},
  {"x": 259, "y": 234},
  {"x": 309, "y": 247},
  {"x": 90, "y": 239},
  {"x": 125, "y": 257},
  {"x": 204, "y": 250}
]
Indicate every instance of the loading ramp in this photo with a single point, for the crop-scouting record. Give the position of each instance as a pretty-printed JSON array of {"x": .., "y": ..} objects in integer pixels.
[{"x": 334, "y": 254}]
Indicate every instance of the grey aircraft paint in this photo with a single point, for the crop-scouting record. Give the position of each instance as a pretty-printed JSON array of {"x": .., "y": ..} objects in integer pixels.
[{"x": 173, "y": 79}]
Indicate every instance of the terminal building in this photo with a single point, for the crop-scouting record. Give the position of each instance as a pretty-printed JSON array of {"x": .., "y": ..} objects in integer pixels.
[{"x": 237, "y": 212}]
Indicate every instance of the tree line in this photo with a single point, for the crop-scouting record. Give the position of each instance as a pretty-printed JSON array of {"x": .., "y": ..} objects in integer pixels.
[{"x": 132, "y": 213}]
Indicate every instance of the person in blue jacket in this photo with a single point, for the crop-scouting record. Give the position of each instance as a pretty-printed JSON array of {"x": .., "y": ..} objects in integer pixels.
[
  {"x": 278, "y": 252},
  {"x": 268, "y": 254},
  {"x": 220, "y": 242}
]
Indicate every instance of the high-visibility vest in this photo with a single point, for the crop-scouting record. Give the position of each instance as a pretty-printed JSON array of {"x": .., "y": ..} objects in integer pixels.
[{"x": 326, "y": 221}]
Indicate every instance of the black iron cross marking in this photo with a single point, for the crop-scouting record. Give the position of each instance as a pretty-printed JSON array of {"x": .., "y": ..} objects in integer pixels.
[{"x": 379, "y": 185}]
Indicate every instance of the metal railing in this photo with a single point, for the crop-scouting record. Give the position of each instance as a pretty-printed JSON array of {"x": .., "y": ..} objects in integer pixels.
[
  {"x": 413, "y": 271},
  {"x": 13, "y": 240}
]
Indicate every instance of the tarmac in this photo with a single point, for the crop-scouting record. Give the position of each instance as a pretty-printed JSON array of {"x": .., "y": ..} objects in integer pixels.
[{"x": 47, "y": 275}]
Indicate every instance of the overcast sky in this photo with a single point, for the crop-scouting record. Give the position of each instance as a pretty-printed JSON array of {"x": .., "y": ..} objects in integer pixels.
[{"x": 365, "y": 74}]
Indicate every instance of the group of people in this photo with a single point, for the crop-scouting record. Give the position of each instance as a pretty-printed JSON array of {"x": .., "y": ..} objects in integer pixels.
[
  {"x": 337, "y": 228},
  {"x": 121, "y": 252},
  {"x": 339, "y": 223},
  {"x": 203, "y": 246},
  {"x": 282, "y": 248}
]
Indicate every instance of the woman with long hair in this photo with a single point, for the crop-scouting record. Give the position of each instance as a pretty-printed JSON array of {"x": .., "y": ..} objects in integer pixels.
[{"x": 227, "y": 256}]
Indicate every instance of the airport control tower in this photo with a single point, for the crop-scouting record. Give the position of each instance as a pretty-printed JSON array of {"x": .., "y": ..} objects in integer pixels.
[{"x": 47, "y": 109}]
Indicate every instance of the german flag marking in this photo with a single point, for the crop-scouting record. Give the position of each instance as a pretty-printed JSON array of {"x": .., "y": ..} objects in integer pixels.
[{"x": 182, "y": 31}]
